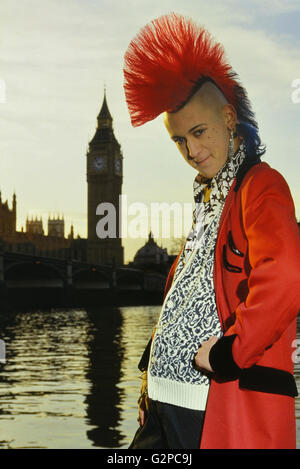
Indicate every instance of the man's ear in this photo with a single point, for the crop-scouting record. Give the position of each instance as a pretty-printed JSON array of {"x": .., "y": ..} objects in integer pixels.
[{"x": 229, "y": 116}]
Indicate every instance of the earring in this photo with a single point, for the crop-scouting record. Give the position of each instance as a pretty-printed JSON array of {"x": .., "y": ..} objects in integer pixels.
[{"x": 231, "y": 145}]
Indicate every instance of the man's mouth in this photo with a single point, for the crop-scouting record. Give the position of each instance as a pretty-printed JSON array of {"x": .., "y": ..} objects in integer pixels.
[{"x": 202, "y": 161}]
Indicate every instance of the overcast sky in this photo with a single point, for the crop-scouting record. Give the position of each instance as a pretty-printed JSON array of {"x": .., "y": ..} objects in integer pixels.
[{"x": 55, "y": 58}]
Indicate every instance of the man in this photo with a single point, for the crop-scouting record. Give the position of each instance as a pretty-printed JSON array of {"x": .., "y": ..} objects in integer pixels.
[{"x": 218, "y": 370}]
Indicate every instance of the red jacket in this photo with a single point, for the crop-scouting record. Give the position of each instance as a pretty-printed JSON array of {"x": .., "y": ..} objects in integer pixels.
[{"x": 256, "y": 278}]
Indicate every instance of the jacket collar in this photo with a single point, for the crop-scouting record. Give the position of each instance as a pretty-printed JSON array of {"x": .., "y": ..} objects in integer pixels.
[{"x": 244, "y": 168}]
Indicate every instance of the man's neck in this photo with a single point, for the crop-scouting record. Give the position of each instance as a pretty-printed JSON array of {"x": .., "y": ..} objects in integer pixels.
[{"x": 204, "y": 180}]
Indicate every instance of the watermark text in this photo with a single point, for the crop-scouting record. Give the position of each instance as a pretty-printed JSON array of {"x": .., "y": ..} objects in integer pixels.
[
  {"x": 2, "y": 91},
  {"x": 2, "y": 351},
  {"x": 295, "y": 96},
  {"x": 296, "y": 352},
  {"x": 135, "y": 220}
]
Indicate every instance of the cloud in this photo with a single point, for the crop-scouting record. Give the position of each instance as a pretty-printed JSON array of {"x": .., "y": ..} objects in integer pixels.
[{"x": 56, "y": 57}]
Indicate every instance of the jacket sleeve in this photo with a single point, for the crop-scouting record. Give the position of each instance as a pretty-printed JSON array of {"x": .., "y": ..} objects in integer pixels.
[{"x": 273, "y": 298}]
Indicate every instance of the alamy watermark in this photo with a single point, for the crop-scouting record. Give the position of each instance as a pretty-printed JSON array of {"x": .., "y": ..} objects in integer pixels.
[
  {"x": 296, "y": 352},
  {"x": 2, "y": 351},
  {"x": 2, "y": 91},
  {"x": 173, "y": 219},
  {"x": 295, "y": 96}
]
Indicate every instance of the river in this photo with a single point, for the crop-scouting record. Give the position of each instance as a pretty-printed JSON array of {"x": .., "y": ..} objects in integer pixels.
[{"x": 70, "y": 379}]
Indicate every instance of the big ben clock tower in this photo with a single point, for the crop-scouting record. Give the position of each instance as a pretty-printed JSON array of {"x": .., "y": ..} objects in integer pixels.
[{"x": 104, "y": 178}]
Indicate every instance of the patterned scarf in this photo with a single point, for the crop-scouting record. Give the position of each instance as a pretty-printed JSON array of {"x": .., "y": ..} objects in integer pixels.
[{"x": 219, "y": 187}]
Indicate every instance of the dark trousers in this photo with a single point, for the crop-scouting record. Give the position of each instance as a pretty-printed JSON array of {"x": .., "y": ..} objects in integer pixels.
[{"x": 169, "y": 426}]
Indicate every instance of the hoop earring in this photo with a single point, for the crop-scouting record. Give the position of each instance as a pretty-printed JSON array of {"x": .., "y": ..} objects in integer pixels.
[{"x": 231, "y": 145}]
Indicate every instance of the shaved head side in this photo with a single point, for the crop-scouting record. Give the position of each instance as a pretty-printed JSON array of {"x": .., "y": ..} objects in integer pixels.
[{"x": 210, "y": 96}]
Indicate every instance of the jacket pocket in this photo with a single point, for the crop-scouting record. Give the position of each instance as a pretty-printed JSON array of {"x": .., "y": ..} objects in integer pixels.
[{"x": 230, "y": 249}]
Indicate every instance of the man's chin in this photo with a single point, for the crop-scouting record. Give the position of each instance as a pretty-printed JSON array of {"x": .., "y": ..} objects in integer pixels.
[{"x": 205, "y": 174}]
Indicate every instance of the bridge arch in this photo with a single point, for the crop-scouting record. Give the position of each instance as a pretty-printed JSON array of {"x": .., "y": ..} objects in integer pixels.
[
  {"x": 33, "y": 274},
  {"x": 130, "y": 280},
  {"x": 91, "y": 278}
]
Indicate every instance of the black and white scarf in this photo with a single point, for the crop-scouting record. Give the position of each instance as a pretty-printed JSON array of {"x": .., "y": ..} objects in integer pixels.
[{"x": 220, "y": 184}]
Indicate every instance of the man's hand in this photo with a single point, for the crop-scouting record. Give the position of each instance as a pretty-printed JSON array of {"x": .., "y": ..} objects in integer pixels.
[
  {"x": 201, "y": 357},
  {"x": 143, "y": 400},
  {"x": 143, "y": 410}
]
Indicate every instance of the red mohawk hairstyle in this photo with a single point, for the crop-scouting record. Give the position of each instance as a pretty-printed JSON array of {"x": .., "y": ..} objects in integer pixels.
[{"x": 164, "y": 65}]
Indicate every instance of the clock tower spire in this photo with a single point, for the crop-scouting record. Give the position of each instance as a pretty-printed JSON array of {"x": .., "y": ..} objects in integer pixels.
[{"x": 104, "y": 180}]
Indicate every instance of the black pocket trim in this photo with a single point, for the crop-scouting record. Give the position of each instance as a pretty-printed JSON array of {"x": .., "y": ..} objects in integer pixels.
[
  {"x": 232, "y": 246},
  {"x": 227, "y": 265}
]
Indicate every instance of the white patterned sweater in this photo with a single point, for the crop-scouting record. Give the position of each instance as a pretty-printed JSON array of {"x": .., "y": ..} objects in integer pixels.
[{"x": 189, "y": 313}]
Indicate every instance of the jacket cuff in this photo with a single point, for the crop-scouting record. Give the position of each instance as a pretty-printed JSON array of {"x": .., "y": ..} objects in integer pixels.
[{"x": 221, "y": 359}]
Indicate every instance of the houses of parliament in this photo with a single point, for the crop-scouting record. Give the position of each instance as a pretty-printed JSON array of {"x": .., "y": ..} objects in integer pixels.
[{"x": 104, "y": 172}]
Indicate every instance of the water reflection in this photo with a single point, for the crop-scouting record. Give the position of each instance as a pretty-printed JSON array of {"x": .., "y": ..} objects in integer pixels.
[
  {"x": 43, "y": 383},
  {"x": 71, "y": 380},
  {"x": 105, "y": 399}
]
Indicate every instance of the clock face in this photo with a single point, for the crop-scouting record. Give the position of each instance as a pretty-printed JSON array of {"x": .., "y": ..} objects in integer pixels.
[
  {"x": 105, "y": 123},
  {"x": 99, "y": 163},
  {"x": 118, "y": 165}
]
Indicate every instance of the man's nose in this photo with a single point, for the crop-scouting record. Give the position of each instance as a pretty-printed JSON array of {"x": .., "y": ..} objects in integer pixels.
[{"x": 193, "y": 149}]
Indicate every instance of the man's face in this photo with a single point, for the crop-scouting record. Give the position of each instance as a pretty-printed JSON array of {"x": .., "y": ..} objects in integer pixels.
[{"x": 200, "y": 131}]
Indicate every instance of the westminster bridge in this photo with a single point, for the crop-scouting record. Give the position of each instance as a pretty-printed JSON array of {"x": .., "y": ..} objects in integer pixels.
[{"x": 37, "y": 280}]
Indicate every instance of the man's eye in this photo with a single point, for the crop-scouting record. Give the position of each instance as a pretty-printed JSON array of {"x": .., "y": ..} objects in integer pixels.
[
  {"x": 199, "y": 132},
  {"x": 179, "y": 141}
]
